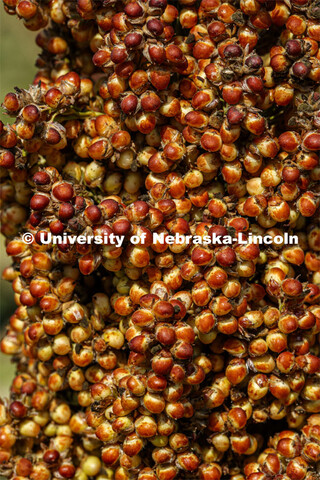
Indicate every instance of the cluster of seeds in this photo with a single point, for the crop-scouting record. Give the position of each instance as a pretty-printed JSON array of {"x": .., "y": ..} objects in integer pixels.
[{"x": 160, "y": 359}]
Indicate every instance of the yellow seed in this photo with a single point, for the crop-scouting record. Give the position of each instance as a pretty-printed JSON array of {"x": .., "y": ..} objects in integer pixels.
[
  {"x": 159, "y": 441},
  {"x": 91, "y": 465},
  {"x": 29, "y": 428}
]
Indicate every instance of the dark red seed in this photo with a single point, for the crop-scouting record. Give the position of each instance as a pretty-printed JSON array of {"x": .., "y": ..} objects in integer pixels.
[
  {"x": 11, "y": 102},
  {"x": 215, "y": 29},
  {"x": 255, "y": 62},
  {"x": 53, "y": 97},
  {"x": 35, "y": 219},
  {"x": 66, "y": 211},
  {"x": 93, "y": 214},
  {"x": 133, "y": 40},
  {"x": 290, "y": 174},
  {"x": 52, "y": 136},
  {"x": 235, "y": 116},
  {"x": 232, "y": 51},
  {"x": 155, "y": 27},
  {"x": 39, "y": 202},
  {"x": 28, "y": 387},
  {"x": 41, "y": 178},
  {"x": 73, "y": 79},
  {"x": 300, "y": 69},
  {"x": 125, "y": 69},
  {"x": 119, "y": 55},
  {"x": 67, "y": 470},
  {"x": 27, "y": 299},
  {"x": 31, "y": 113},
  {"x": 64, "y": 246},
  {"x": 110, "y": 207},
  {"x": 63, "y": 192},
  {"x": 293, "y": 48},
  {"x": 42, "y": 234},
  {"x": 79, "y": 203},
  {"x": 129, "y": 104},
  {"x": 51, "y": 456},
  {"x": 26, "y": 9},
  {"x": 7, "y": 159},
  {"x": 121, "y": 226},
  {"x": 56, "y": 227},
  {"x": 100, "y": 58},
  {"x": 133, "y": 10},
  {"x": 226, "y": 257},
  {"x": 18, "y": 410},
  {"x": 217, "y": 232}
]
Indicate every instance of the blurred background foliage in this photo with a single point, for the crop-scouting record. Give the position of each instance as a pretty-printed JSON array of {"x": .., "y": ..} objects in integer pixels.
[{"x": 18, "y": 53}]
